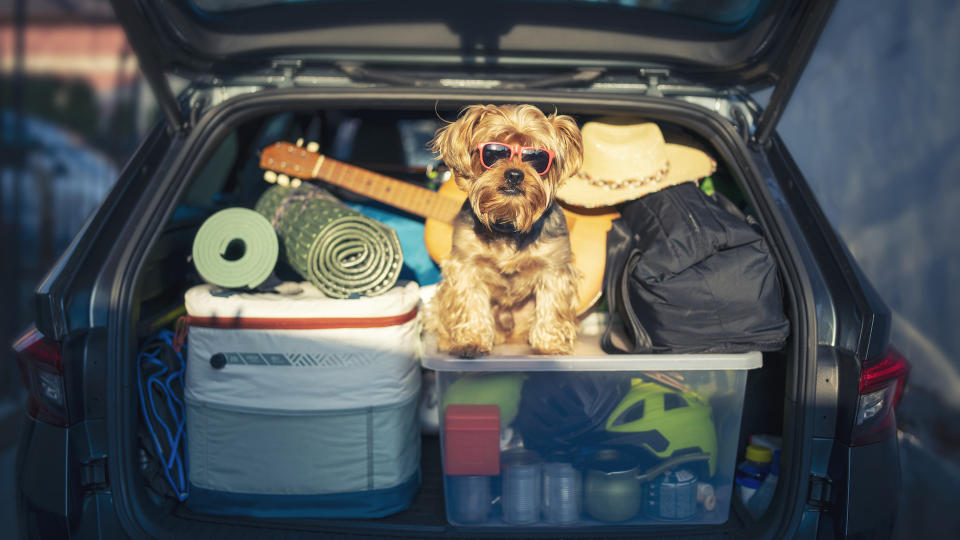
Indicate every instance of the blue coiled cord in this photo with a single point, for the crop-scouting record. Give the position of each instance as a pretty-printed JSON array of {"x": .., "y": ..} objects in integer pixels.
[{"x": 174, "y": 464}]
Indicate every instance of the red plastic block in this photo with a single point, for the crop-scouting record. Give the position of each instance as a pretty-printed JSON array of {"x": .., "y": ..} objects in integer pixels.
[{"x": 472, "y": 439}]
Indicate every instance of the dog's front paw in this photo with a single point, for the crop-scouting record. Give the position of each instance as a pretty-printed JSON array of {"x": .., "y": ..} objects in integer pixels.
[
  {"x": 470, "y": 340},
  {"x": 556, "y": 339},
  {"x": 469, "y": 351},
  {"x": 553, "y": 349}
]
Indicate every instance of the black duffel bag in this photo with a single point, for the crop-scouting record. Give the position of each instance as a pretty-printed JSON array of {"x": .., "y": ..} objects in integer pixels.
[{"x": 687, "y": 273}]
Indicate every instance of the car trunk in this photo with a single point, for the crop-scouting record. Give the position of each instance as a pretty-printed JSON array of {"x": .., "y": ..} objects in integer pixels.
[{"x": 219, "y": 168}]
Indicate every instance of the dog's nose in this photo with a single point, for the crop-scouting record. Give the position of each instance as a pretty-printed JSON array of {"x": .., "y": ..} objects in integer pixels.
[{"x": 513, "y": 177}]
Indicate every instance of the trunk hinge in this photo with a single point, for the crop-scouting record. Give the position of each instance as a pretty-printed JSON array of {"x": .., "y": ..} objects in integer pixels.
[
  {"x": 819, "y": 492},
  {"x": 741, "y": 124},
  {"x": 790, "y": 69},
  {"x": 654, "y": 76},
  {"x": 93, "y": 474}
]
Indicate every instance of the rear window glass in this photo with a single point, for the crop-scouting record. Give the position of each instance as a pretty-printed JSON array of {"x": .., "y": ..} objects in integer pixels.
[{"x": 727, "y": 12}]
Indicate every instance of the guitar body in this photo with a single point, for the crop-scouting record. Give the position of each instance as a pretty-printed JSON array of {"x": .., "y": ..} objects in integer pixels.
[
  {"x": 437, "y": 234},
  {"x": 588, "y": 241}
]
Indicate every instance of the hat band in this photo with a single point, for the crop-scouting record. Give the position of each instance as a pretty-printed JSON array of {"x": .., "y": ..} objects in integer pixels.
[{"x": 626, "y": 182}]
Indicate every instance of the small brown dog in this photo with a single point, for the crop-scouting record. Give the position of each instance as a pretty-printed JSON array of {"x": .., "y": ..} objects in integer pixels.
[{"x": 510, "y": 240}]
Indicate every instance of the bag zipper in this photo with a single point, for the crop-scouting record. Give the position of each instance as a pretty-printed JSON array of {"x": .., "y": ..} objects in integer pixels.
[
  {"x": 682, "y": 206},
  {"x": 274, "y": 323}
]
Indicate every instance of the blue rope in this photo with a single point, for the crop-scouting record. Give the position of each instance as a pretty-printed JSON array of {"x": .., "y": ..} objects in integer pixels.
[{"x": 174, "y": 464}]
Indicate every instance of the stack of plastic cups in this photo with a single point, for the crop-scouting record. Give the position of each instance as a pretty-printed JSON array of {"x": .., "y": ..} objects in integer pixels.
[
  {"x": 471, "y": 498},
  {"x": 471, "y": 460},
  {"x": 561, "y": 493},
  {"x": 520, "y": 499}
]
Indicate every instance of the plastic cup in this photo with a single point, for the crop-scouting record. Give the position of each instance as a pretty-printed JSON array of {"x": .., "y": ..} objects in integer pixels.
[
  {"x": 520, "y": 499},
  {"x": 561, "y": 493},
  {"x": 470, "y": 498}
]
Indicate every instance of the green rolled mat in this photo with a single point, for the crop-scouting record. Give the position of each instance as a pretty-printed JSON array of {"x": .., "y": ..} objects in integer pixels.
[
  {"x": 236, "y": 247},
  {"x": 342, "y": 252}
]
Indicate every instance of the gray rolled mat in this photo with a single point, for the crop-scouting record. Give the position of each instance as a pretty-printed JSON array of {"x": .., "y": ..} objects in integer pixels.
[
  {"x": 236, "y": 247},
  {"x": 341, "y": 251}
]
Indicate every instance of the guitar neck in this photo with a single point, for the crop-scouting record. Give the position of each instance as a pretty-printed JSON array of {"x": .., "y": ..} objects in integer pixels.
[{"x": 407, "y": 197}]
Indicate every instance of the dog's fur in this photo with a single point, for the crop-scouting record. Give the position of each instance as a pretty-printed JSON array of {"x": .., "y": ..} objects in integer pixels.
[{"x": 508, "y": 248}]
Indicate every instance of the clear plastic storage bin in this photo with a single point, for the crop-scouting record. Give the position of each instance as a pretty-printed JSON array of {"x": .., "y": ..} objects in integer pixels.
[{"x": 589, "y": 439}]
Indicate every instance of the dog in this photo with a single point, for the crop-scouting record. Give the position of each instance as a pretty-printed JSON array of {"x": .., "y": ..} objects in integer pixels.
[{"x": 511, "y": 245}]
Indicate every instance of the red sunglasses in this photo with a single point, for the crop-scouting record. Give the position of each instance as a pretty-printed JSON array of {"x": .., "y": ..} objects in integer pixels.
[{"x": 538, "y": 158}]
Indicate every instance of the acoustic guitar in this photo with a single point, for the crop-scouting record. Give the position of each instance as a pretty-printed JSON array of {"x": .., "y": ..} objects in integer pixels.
[{"x": 286, "y": 163}]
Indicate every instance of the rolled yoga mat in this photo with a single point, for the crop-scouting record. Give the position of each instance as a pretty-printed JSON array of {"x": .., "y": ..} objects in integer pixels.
[
  {"x": 236, "y": 247},
  {"x": 341, "y": 251}
]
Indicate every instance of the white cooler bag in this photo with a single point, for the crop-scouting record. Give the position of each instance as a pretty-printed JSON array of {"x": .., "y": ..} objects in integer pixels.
[{"x": 301, "y": 405}]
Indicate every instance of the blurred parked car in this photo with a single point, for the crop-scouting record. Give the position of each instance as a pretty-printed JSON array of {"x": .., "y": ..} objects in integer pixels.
[{"x": 62, "y": 177}]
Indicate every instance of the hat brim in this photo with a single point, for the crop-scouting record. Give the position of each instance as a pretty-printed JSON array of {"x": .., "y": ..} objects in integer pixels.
[{"x": 686, "y": 165}]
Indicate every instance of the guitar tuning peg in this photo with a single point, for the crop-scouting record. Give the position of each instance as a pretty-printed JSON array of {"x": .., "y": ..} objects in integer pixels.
[
  {"x": 283, "y": 180},
  {"x": 295, "y": 182},
  {"x": 313, "y": 146},
  {"x": 270, "y": 176},
  {"x": 300, "y": 142}
]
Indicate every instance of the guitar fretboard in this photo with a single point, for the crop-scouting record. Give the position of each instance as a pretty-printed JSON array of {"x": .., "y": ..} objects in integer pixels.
[{"x": 408, "y": 197}]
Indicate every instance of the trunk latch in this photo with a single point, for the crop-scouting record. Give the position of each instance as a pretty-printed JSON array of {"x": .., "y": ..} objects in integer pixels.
[
  {"x": 654, "y": 76},
  {"x": 287, "y": 69},
  {"x": 818, "y": 496},
  {"x": 93, "y": 474}
]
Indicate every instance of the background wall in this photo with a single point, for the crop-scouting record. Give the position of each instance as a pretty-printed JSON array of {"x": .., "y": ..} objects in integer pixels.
[{"x": 875, "y": 127}]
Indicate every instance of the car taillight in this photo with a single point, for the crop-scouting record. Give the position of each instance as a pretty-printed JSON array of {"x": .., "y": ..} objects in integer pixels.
[
  {"x": 882, "y": 382},
  {"x": 41, "y": 367}
]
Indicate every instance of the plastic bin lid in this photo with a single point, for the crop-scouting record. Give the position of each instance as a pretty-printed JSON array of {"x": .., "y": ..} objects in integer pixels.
[{"x": 587, "y": 356}]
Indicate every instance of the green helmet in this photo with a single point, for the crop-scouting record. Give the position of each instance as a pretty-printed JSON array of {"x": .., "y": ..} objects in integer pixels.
[{"x": 666, "y": 421}]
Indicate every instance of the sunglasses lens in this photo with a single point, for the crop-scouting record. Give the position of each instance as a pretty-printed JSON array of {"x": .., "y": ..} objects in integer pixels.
[
  {"x": 492, "y": 153},
  {"x": 538, "y": 159}
]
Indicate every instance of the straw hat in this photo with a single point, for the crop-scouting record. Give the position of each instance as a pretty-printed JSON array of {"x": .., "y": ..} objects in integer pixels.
[{"x": 625, "y": 161}]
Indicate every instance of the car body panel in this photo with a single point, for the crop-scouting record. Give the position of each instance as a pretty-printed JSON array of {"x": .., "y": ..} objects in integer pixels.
[{"x": 87, "y": 300}]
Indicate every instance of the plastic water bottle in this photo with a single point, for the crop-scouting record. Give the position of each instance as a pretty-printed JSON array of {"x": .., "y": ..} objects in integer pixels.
[
  {"x": 758, "y": 504},
  {"x": 752, "y": 472},
  {"x": 772, "y": 442}
]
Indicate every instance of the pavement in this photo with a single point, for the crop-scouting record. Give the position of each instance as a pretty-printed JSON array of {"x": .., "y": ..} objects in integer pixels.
[
  {"x": 928, "y": 494},
  {"x": 11, "y": 416},
  {"x": 8, "y": 458},
  {"x": 929, "y": 439}
]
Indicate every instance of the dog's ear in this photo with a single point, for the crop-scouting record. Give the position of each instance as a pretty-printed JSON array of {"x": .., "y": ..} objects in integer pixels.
[
  {"x": 569, "y": 146},
  {"x": 453, "y": 143}
]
